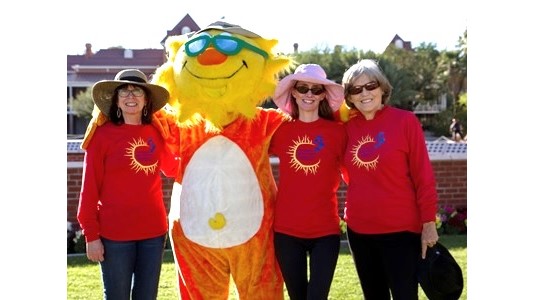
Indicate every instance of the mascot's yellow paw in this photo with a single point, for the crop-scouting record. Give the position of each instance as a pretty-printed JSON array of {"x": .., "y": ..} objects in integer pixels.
[{"x": 218, "y": 222}]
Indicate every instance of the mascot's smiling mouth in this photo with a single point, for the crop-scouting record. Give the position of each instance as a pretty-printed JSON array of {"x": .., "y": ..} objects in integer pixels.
[{"x": 244, "y": 64}]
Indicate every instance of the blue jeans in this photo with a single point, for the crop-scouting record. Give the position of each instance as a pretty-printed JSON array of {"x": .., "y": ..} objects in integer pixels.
[{"x": 132, "y": 267}]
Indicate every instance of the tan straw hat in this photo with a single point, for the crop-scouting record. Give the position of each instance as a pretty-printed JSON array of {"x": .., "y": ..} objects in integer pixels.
[{"x": 103, "y": 90}]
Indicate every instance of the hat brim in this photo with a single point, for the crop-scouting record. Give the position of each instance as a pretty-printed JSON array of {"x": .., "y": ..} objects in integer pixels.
[
  {"x": 282, "y": 94},
  {"x": 439, "y": 275},
  {"x": 103, "y": 93}
]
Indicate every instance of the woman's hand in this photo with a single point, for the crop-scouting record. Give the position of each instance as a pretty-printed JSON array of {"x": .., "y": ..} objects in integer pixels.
[
  {"x": 429, "y": 237},
  {"x": 95, "y": 250}
]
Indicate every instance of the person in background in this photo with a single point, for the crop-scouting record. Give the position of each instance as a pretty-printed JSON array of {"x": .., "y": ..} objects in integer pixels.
[
  {"x": 391, "y": 201},
  {"x": 456, "y": 130},
  {"x": 310, "y": 148},
  {"x": 121, "y": 209}
]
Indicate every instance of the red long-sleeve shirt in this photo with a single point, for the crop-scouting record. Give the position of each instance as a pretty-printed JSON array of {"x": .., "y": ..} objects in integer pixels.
[
  {"x": 121, "y": 195},
  {"x": 310, "y": 157},
  {"x": 391, "y": 182}
]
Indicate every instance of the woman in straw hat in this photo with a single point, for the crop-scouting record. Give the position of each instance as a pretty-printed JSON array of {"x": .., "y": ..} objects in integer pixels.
[
  {"x": 310, "y": 148},
  {"x": 121, "y": 208}
]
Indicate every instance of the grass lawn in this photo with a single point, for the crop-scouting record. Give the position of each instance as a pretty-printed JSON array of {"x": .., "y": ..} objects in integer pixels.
[{"x": 84, "y": 283}]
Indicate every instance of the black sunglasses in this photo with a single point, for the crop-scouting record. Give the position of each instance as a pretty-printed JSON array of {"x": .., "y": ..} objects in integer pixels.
[
  {"x": 302, "y": 89},
  {"x": 357, "y": 89}
]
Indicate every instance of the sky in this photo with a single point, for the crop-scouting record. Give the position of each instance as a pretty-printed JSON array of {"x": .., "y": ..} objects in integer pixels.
[{"x": 356, "y": 24}]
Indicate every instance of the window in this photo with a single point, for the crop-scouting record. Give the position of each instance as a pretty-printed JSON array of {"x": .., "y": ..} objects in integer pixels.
[
  {"x": 185, "y": 29},
  {"x": 398, "y": 43}
]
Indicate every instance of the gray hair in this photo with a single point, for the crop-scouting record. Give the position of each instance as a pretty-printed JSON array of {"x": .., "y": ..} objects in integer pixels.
[{"x": 370, "y": 68}]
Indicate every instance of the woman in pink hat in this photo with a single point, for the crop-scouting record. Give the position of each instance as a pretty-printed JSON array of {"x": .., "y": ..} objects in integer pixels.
[{"x": 310, "y": 148}]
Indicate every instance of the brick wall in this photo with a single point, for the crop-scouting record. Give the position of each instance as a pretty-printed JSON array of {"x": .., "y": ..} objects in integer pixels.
[
  {"x": 451, "y": 182},
  {"x": 450, "y": 175}
]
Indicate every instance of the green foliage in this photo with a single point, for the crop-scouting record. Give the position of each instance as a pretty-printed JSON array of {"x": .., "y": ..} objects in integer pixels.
[
  {"x": 83, "y": 104},
  {"x": 460, "y": 112},
  {"x": 440, "y": 124},
  {"x": 418, "y": 77},
  {"x": 402, "y": 80},
  {"x": 451, "y": 220},
  {"x": 79, "y": 243},
  {"x": 343, "y": 226},
  {"x": 452, "y": 70},
  {"x": 412, "y": 75},
  {"x": 335, "y": 62}
]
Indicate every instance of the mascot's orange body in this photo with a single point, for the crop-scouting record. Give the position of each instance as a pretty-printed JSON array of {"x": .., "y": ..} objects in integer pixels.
[
  {"x": 222, "y": 202},
  {"x": 226, "y": 208}
]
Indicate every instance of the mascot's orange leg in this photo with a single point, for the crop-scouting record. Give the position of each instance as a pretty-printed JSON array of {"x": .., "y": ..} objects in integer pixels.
[
  {"x": 255, "y": 270},
  {"x": 204, "y": 273}
]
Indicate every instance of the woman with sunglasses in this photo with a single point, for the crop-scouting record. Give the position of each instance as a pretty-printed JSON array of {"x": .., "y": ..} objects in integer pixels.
[
  {"x": 391, "y": 200},
  {"x": 310, "y": 148}
]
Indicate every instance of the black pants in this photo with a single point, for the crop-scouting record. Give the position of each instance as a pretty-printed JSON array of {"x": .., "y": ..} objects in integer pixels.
[
  {"x": 291, "y": 253},
  {"x": 386, "y": 264}
]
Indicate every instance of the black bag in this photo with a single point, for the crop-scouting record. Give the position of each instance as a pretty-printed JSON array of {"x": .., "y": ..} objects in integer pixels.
[{"x": 439, "y": 275}]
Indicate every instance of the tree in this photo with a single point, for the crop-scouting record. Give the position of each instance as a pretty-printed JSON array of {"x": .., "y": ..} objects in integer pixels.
[
  {"x": 83, "y": 104},
  {"x": 426, "y": 61},
  {"x": 399, "y": 66},
  {"x": 334, "y": 63},
  {"x": 452, "y": 73}
]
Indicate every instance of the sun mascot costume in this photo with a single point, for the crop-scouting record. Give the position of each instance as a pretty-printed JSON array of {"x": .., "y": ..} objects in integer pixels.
[{"x": 222, "y": 201}]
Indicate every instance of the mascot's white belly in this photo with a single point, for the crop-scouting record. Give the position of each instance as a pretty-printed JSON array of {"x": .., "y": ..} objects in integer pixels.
[{"x": 221, "y": 204}]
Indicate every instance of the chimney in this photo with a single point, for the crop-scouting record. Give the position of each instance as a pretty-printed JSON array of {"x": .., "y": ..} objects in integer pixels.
[{"x": 88, "y": 51}]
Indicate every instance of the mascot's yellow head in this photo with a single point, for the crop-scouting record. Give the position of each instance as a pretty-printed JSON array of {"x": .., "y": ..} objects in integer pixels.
[{"x": 219, "y": 73}]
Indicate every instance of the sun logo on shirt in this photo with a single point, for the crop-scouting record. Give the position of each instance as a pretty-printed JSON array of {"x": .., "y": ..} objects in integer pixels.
[
  {"x": 303, "y": 154},
  {"x": 140, "y": 152},
  {"x": 364, "y": 154}
]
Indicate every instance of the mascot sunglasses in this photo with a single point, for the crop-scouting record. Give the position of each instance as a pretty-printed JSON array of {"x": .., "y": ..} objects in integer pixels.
[{"x": 224, "y": 42}]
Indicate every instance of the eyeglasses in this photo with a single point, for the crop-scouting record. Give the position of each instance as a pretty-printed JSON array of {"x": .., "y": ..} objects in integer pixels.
[
  {"x": 357, "y": 89},
  {"x": 302, "y": 89},
  {"x": 136, "y": 92},
  {"x": 224, "y": 43}
]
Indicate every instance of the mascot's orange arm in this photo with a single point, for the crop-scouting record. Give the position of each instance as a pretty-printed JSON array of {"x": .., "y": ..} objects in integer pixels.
[
  {"x": 97, "y": 120},
  {"x": 345, "y": 113},
  {"x": 164, "y": 120},
  {"x": 161, "y": 122}
]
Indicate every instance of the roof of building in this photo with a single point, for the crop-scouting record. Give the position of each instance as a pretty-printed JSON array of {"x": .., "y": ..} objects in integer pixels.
[
  {"x": 87, "y": 68},
  {"x": 104, "y": 64},
  {"x": 186, "y": 25}
]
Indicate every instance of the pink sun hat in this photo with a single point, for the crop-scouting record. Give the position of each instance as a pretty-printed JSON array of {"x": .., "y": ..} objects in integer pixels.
[{"x": 310, "y": 73}]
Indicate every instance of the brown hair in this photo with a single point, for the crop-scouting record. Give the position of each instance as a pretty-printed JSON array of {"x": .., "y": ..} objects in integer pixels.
[{"x": 145, "y": 119}]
